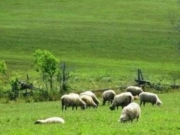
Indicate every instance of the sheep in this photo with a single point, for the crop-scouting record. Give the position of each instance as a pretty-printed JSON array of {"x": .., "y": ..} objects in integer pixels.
[
  {"x": 122, "y": 100},
  {"x": 108, "y": 95},
  {"x": 130, "y": 112},
  {"x": 135, "y": 90},
  {"x": 90, "y": 93},
  {"x": 50, "y": 120},
  {"x": 88, "y": 100},
  {"x": 149, "y": 97},
  {"x": 73, "y": 100},
  {"x": 75, "y": 95}
]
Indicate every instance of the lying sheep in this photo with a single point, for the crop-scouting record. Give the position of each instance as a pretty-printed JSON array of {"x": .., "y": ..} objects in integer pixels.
[
  {"x": 88, "y": 100},
  {"x": 149, "y": 97},
  {"x": 135, "y": 90},
  {"x": 50, "y": 120},
  {"x": 90, "y": 93},
  {"x": 122, "y": 100},
  {"x": 108, "y": 95},
  {"x": 73, "y": 100},
  {"x": 130, "y": 112}
]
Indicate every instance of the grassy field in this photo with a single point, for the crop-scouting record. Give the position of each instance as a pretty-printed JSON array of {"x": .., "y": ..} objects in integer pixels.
[
  {"x": 96, "y": 39},
  {"x": 18, "y": 118},
  {"x": 104, "y": 43}
]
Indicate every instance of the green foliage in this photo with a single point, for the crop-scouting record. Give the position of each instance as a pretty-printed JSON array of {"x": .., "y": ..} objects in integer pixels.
[
  {"x": 154, "y": 120},
  {"x": 14, "y": 92},
  {"x": 3, "y": 67},
  {"x": 46, "y": 64},
  {"x": 44, "y": 95}
]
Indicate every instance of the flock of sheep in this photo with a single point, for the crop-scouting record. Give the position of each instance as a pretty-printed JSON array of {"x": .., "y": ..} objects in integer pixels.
[{"x": 130, "y": 109}]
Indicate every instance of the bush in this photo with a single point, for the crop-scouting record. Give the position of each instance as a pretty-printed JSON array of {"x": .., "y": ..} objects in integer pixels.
[{"x": 44, "y": 95}]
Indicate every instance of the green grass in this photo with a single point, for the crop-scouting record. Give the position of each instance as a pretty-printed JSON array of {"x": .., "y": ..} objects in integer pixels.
[
  {"x": 96, "y": 39},
  {"x": 99, "y": 40},
  {"x": 18, "y": 118}
]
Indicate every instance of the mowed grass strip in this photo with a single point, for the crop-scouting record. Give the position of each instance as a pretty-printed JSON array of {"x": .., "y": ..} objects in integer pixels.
[{"x": 102, "y": 38}]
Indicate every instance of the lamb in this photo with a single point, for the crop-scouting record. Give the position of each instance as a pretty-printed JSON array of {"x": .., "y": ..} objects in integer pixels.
[
  {"x": 122, "y": 100},
  {"x": 149, "y": 97},
  {"x": 130, "y": 112},
  {"x": 50, "y": 120},
  {"x": 135, "y": 90},
  {"x": 88, "y": 100},
  {"x": 90, "y": 93},
  {"x": 108, "y": 95},
  {"x": 73, "y": 100}
]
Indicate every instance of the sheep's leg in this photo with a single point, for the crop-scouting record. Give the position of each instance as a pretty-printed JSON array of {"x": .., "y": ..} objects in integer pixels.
[
  {"x": 131, "y": 120},
  {"x": 108, "y": 102},
  {"x": 140, "y": 103},
  {"x": 137, "y": 118},
  {"x": 104, "y": 102},
  {"x": 144, "y": 103},
  {"x": 111, "y": 101}
]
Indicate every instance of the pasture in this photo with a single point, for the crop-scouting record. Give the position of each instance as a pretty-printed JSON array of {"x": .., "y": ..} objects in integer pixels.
[
  {"x": 97, "y": 40},
  {"x": 18, "y": 118},
  {"x": 104, "y": 43}
]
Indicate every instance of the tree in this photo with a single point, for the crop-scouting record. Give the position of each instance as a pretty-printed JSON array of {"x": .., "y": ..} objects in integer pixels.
[
  {"x": 63, "y": 77},
  {"x": 175, "y": 20},
  {"x": 46, "y": 63},
  {"x": 13, "y": 94},
  {"x": 3, "y": 68}
]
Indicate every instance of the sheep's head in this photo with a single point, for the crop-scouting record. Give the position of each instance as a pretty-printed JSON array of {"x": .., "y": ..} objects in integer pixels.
[
  {"x": 123, "y": 118},
  {"x": 94, "y": 106},
  {"x": 158, "y": 102},
  {"x": 38, "y": 122},
  {"x": 112, "y": 108},
  {"x": 83, "y": 107}
]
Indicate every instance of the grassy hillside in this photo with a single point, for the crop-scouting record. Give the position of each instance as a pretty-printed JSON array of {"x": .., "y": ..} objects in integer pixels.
[{"x": 96, "y": 39}]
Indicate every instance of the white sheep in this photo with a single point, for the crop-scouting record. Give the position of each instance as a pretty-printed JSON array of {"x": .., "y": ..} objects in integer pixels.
[
  {"x": 73, "y": 100},
  {"x": 149, "y": 97},
  {"x": 130, "y": 112},
  {"x": 135, "y": 90},
  {"x": 122, "y": 100},
  {"x": 90, "y": 93},
  {"x": 50, "y": 120},
  {"x": 108, "y": 95},
  {"x": 88, "y": 100}
]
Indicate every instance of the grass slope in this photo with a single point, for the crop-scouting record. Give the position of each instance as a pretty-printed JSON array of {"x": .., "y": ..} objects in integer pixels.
[{"x": 102, "y": 38}]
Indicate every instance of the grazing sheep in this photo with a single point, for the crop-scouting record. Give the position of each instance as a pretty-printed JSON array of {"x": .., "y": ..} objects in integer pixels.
[
  {"x": 149, "y": 97},
  {"x": 73, "y": 100},
  {"x": 88, "y": 100},
  {"x": 122, "y": 100},
  {"x": 135, "y": 90},
  {"x": 50, "y": 120},
  {"x": 75, "y": 95},
  {"x": 90, "y": 93},
  {"x": 130, "y": 112},
  {"x": 108, "y": 95}
]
